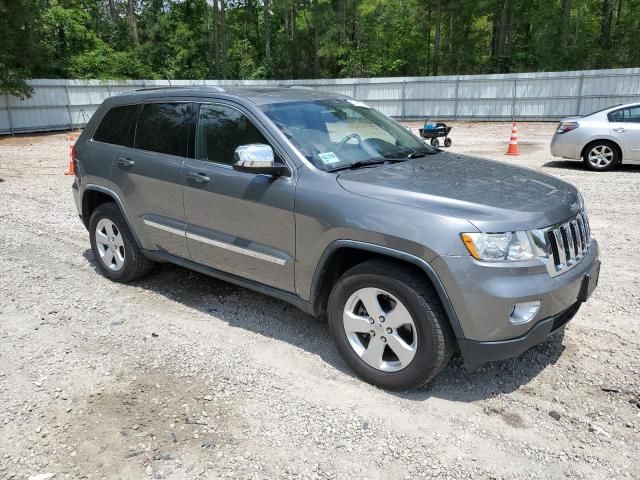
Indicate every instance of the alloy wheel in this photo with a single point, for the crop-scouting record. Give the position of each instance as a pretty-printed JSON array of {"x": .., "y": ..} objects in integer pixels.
[
  {"x": 380, "y": 329},
  {"x": 600, "y": 156},
  {"x": 110, "y": 244}
]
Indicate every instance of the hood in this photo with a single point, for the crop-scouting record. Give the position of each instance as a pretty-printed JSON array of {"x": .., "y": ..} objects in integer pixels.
[{"x": 494, "y": 196}]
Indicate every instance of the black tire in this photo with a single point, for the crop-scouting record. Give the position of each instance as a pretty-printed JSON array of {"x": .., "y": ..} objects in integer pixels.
[
  {"x": 435, "y": 143},
  {"x": 447, "y": 142},
  {"x": 435, "y": 341},
  {"x": 607, "y": 147},
  {"x": 135, "y": 265}
]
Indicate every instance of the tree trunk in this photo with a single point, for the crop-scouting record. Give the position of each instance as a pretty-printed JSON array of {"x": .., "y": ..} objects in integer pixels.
[
  {"x": 219, "y": 39},
  {"x": 267, "y": 33},
  {"x": 316, "y": 38},
  {"x": 436, "y": 40},
  {"x": 500, "y": 34},
  {"x": 133, "y": 21},
  {"x": 605, "y": 30},
  {"x": 450, "y": 31},
  {"x": 223, "y": 39},
  {"x": 216, "y": 39},
  {"x": 292, "y": 45},
  {"x": 342, "y": 10},
  {"x": 113, "y": 11},
  {"x": 566, "y": 19}
]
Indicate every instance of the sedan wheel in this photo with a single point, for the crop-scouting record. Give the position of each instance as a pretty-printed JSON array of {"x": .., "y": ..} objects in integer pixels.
[
  {"x": 380, "y": 329},
  {"x": 601, "y": 156}
]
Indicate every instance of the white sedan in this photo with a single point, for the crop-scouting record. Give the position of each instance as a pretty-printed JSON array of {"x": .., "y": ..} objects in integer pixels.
[{"x": 602, "y": 139}]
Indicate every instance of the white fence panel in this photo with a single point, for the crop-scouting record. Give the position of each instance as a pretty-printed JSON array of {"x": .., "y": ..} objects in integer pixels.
[{"x": 61, "y": 104}]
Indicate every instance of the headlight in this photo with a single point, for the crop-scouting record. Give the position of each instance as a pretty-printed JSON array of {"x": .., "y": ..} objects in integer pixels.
[{"x": 505, "y": 247}]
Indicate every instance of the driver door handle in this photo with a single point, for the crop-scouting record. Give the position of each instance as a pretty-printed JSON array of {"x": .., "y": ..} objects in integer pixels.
[
  {"x": 619, "y": 129},
  {"x": 125, "y": 162},
  {"x": 198, "y": 177}
]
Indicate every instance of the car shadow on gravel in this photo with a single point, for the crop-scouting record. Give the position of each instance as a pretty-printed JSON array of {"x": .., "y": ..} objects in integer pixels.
[
  {"x": 242, "y": 308},
  {"x": 264, "y": 315},
  {"x": 458, "y": 384},
  {"x": 578, "y": 165}
]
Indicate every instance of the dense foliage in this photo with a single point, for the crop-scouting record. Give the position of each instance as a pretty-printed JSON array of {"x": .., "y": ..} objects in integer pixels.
[{"x": 250, "y": 39}]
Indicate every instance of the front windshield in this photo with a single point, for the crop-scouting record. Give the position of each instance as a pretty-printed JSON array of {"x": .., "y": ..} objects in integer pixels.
[{"x": 336, "y": 134}]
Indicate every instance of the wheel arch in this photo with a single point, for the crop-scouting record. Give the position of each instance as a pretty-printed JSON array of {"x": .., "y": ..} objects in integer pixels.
[
  {"x": 96, "y": 195},
  {"x": 343, "y": 254},
  {"x": 591, "y": 142}
]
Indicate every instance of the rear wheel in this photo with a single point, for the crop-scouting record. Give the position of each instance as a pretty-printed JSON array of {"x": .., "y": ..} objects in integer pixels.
[
  {"x": 447, "y": 142},
  {"x": 389, "y": 325},
  {"x": 601, "y": 155},
  {"x": 435, "y": 143},
  {"x": 116, "y": 252}
]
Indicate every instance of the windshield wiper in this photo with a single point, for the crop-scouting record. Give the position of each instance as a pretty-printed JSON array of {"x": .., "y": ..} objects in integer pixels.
[
  {"x": 367, "y": 163},
  {"x": 411, "y": 154}
]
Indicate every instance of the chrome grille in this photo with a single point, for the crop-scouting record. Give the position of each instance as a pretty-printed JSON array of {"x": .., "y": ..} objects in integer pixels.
[{"x": 567, "y": 243}]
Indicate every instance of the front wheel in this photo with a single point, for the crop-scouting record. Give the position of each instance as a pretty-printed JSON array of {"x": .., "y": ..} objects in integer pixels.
[
  {"x": 389, "y": 325},
  {"x": 435, "y": 143}
]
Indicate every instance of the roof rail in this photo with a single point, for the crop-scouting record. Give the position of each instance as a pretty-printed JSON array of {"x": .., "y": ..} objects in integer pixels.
[
  {"x": 179, "y": 87},
  {"x": 150, "y": 89},
  {"x": 300, "y": 87}
]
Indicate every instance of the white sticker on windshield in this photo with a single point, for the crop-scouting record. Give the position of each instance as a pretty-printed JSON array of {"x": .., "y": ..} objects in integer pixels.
[
  {"x": 356, "y": 103},
  {"x": 328, "y": 158}
]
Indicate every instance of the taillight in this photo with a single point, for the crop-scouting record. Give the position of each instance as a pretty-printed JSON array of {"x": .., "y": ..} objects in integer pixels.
[
  {"x": 74, "y": 160},
  {"x": 565, "y": 127}
]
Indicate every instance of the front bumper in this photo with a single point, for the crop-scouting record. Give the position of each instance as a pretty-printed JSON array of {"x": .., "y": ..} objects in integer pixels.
[
  {"x": 483, "y": 295},
  {"x": 476, "y": 353}
]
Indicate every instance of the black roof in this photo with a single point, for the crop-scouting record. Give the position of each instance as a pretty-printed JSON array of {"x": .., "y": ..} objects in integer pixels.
[{"x": 258, "y": 95}]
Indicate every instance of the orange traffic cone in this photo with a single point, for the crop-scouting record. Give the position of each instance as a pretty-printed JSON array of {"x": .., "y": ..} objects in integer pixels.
[
  {"x": 70, "y": 169},
  {"x": 513, "y": 142}
]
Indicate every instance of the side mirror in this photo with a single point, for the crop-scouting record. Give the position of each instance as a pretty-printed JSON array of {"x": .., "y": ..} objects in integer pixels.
[{"x": 259, "y": 159}]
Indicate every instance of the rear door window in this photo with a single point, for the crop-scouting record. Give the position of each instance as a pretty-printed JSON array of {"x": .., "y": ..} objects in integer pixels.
[
  {"x": 632, "y": 114},
  {"x": 115, "y": 127},
  {"x": 629, "y": 115},
  {"x": 163, "y": 128}
]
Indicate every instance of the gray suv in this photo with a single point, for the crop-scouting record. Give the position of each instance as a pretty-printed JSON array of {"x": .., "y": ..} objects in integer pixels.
[{"x": 319, "y": 200}]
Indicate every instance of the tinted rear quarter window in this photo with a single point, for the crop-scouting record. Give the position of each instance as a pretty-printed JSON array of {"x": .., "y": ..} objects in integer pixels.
[
  {"x": 115, "y": 127},
  {"x": 163, "y": 128}
]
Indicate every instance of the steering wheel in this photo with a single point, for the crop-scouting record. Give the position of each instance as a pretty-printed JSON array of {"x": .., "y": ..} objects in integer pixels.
[{"x": 351, "y": 136}]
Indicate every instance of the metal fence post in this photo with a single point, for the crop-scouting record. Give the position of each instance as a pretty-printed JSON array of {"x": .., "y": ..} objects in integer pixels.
[
  {"x": 66, "y": 91},
  {"x": 580, "y": 93},
  {"x": 355, "y": 85},
  {"x": 513, "y": 104},
  {"x": 404, "y": 90},
  {"x": 456, "y": 98},
  {"x": 6, "y": 101}
]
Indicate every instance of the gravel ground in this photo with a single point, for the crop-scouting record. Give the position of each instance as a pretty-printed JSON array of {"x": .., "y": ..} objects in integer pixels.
[{"x": 183, "y": 376}]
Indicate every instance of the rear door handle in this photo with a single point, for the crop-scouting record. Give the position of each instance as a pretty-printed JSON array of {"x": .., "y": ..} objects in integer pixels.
[
  {"x": 198, "y": 177},
  {"x": 125, "y": 162},
  {"x": 619, "y": 129}
]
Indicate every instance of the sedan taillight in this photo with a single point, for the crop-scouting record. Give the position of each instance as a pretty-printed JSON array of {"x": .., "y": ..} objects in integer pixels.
[{"x": 565, "y": 127}]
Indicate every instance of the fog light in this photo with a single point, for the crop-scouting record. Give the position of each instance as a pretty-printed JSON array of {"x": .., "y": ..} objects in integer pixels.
[{"x": 524, "y": 312}]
